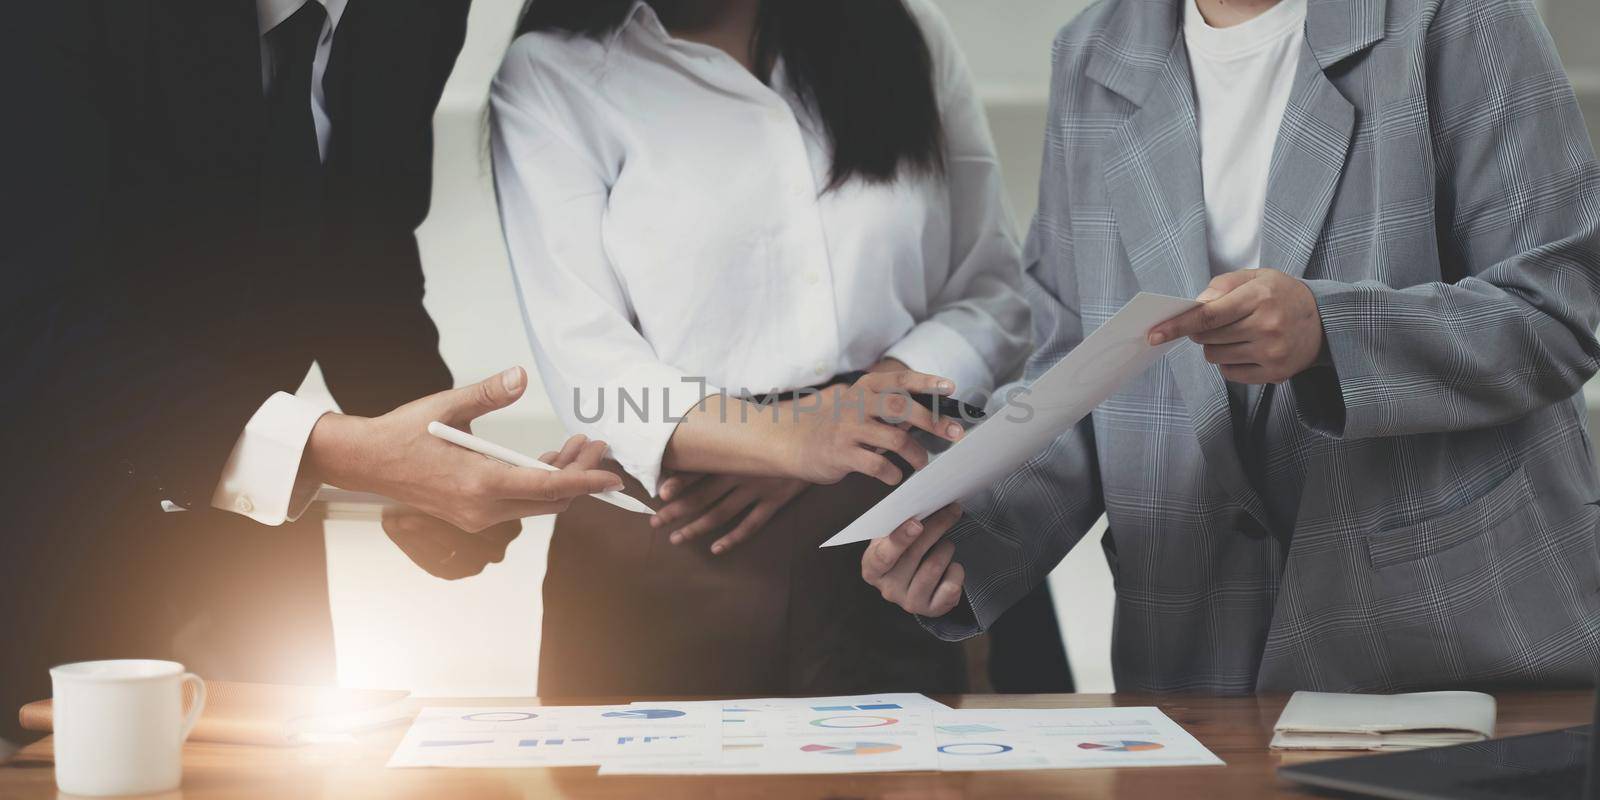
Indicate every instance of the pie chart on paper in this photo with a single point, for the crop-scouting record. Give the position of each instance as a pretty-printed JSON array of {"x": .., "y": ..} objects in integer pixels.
[
  {"x": 1121, "y": 746},
  {"x": 851, "y": 748},
  {"x": 644, "y": 713},
  {"x": 854, "y": 722}
]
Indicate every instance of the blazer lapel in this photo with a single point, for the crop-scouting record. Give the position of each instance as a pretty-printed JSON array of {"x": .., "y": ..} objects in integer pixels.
[
  {"x": 1313, "y": 143},
  {"x": 1154, "y": 182},
  {"x": 1315, "y": 137},
  {"x": 377, "y": 89}
]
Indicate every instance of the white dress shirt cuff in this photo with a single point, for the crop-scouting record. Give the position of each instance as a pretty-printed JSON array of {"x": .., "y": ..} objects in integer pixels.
[
  {"x": 644, "y": 447},
  {"x": 262, "y": 476},
  {"x": 937, "y": 349}
]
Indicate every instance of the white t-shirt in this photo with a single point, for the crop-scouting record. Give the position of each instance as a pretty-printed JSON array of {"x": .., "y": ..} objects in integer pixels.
[{"x": 1242, "y": 78}]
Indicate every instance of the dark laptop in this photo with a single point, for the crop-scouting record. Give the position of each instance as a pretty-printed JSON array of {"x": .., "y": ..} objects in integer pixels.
[{"x": 1560, "y": 764}]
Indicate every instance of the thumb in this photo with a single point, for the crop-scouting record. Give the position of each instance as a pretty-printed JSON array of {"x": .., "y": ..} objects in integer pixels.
[
  {"x": 1227, "y": 282},
  {"x": 490, "y": 394}
]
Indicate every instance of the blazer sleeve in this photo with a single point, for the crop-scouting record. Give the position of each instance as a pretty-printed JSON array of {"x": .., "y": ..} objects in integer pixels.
[
  {"x": 1518, "y": 218},
  {"x": 1012, "y": 535},
  {"x": 381, "y": 349}
]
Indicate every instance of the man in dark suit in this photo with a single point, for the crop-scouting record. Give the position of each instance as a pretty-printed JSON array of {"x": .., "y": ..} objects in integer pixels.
[{"x": 201, "y": 199}]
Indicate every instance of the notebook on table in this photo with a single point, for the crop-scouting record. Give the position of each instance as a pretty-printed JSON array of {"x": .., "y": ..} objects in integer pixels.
[{"x": 1330, "y": 721}]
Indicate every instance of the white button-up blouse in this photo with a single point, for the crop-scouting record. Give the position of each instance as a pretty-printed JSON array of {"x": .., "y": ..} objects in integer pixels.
[{"x": 666, "y": 226}]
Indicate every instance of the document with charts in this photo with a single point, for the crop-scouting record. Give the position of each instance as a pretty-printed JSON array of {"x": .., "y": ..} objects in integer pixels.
[
  {"x": 558, "y": 736},
  {"x": 765, "y": 737},
  {"x": 973, "y": 739},
  {"x": 1116, "y": 352},
  {"x": 863, "y": 733}
]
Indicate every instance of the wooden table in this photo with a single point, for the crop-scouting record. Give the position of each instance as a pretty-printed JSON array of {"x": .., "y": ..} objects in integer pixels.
[{"x": 1235, "y": 728}]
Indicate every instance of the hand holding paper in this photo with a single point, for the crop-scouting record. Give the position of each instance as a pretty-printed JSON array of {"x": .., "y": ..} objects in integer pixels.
[
  {"x": 914, "y": 566},
  {"x": 1118, "y": 351}
]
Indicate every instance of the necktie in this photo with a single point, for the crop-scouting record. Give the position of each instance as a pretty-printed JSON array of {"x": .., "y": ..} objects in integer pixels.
[{"x": 291, "y": 185}]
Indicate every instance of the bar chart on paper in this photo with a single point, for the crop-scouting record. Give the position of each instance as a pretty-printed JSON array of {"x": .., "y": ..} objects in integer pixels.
[{"x": 558, "y": 736}]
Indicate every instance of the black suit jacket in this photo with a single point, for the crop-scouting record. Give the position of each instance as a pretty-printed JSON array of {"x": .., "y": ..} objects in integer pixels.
[{"x": 144, "y": 316}]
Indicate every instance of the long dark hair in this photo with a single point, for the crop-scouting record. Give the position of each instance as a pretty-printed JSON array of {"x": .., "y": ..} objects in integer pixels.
[{"x": 862, "y": 64}]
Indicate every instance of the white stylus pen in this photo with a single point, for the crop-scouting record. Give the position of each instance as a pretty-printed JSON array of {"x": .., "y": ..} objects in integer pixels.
[{"x": 516, "y": 459}]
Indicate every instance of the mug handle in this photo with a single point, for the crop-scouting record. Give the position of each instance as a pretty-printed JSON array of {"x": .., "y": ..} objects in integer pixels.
[{"x": 196, "y": 705}]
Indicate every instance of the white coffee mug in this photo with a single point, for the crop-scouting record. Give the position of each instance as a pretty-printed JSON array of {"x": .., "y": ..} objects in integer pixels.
[{"x": 120, "y": 725}]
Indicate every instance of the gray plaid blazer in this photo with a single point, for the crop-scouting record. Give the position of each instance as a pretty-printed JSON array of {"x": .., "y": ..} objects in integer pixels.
[{"x": 1423, "y": 512}]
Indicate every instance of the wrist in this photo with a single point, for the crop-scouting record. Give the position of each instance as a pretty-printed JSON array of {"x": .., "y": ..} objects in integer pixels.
[
  {"x": 333, "y": 452},
  {"x": 779, "y": 444}
]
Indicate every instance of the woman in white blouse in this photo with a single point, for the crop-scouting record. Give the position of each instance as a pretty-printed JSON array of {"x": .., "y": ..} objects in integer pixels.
[{"x": 705, "y": 200}]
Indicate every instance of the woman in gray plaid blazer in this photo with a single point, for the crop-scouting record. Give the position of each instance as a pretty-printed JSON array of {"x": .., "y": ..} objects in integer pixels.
[{"x": 1413, "y": 503}]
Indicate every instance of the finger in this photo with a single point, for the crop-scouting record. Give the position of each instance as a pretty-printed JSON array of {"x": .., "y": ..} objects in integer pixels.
[
  {"x": 693, "y": 502},
  {"x": 591, "y": 456},
  {"x": 929, "y": 573},
  {"x": 907, "y": 381},
  {"x": 570, "y": 450},
  {"x": 933, "y": 530},
  {"x": 721, "y": 514},
  {"x": 519, "y": 483},
  {"x": 1245, "y": 330},
  {"x": 504, "y": 511},
  {"x": 691, "y": 505},
  {"x": 883, "y": 554},
  {"x": 874, "y": 465},
  {"x": 679, "y": 483},
  {"x": 1253, "y": 374},
  {"x": 896, "y": 440},
  {"x": 1227, "y": 282},
  {"x": 948, "y": 595},
  {"x": 550, "y": 457},
  {"x": 898, "y": 407},
  {"x": 748, "y": 527},
  {"x": 1226, "y": 310},
  {"x": 490, "y": 394},
  {"x": 1227, "y": 355}
]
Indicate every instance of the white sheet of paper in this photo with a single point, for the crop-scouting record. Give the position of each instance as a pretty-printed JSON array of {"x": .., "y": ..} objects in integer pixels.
[
  {"x": 1062, "y": 396},
  {"x": 906, "y": 699},
  {"x": 791, "y": 737},
  {"x": 776, "y": 736},
  {"x": 971, "y": 740},
  {"x": 558, "y": 736}
]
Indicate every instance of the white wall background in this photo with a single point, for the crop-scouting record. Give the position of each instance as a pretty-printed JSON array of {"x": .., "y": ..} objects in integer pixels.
[{"x": 398, "y": 627}]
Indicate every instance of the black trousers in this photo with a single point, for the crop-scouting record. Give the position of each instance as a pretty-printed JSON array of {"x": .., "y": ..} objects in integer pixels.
[
  {"x": 628, "y": 613},
  {"x": 1026, "y": 654}
]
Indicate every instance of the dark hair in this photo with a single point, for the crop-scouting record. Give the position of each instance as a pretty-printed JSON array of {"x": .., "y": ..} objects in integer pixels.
[{"x": 862, "y": 64}]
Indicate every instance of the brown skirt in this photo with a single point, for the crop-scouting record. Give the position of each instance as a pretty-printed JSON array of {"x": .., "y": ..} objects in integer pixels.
[{"x": 628, "y": 613}]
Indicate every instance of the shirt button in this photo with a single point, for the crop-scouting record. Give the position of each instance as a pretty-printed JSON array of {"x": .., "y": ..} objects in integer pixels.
[
  {"x": 813, "y": 278},
  {"x": 820, "y": 369},
  {"x": 243, "y": 505}
]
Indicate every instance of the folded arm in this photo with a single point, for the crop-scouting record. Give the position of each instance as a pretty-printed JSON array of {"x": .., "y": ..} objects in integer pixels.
[{"x": 1511, "y": 327}]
